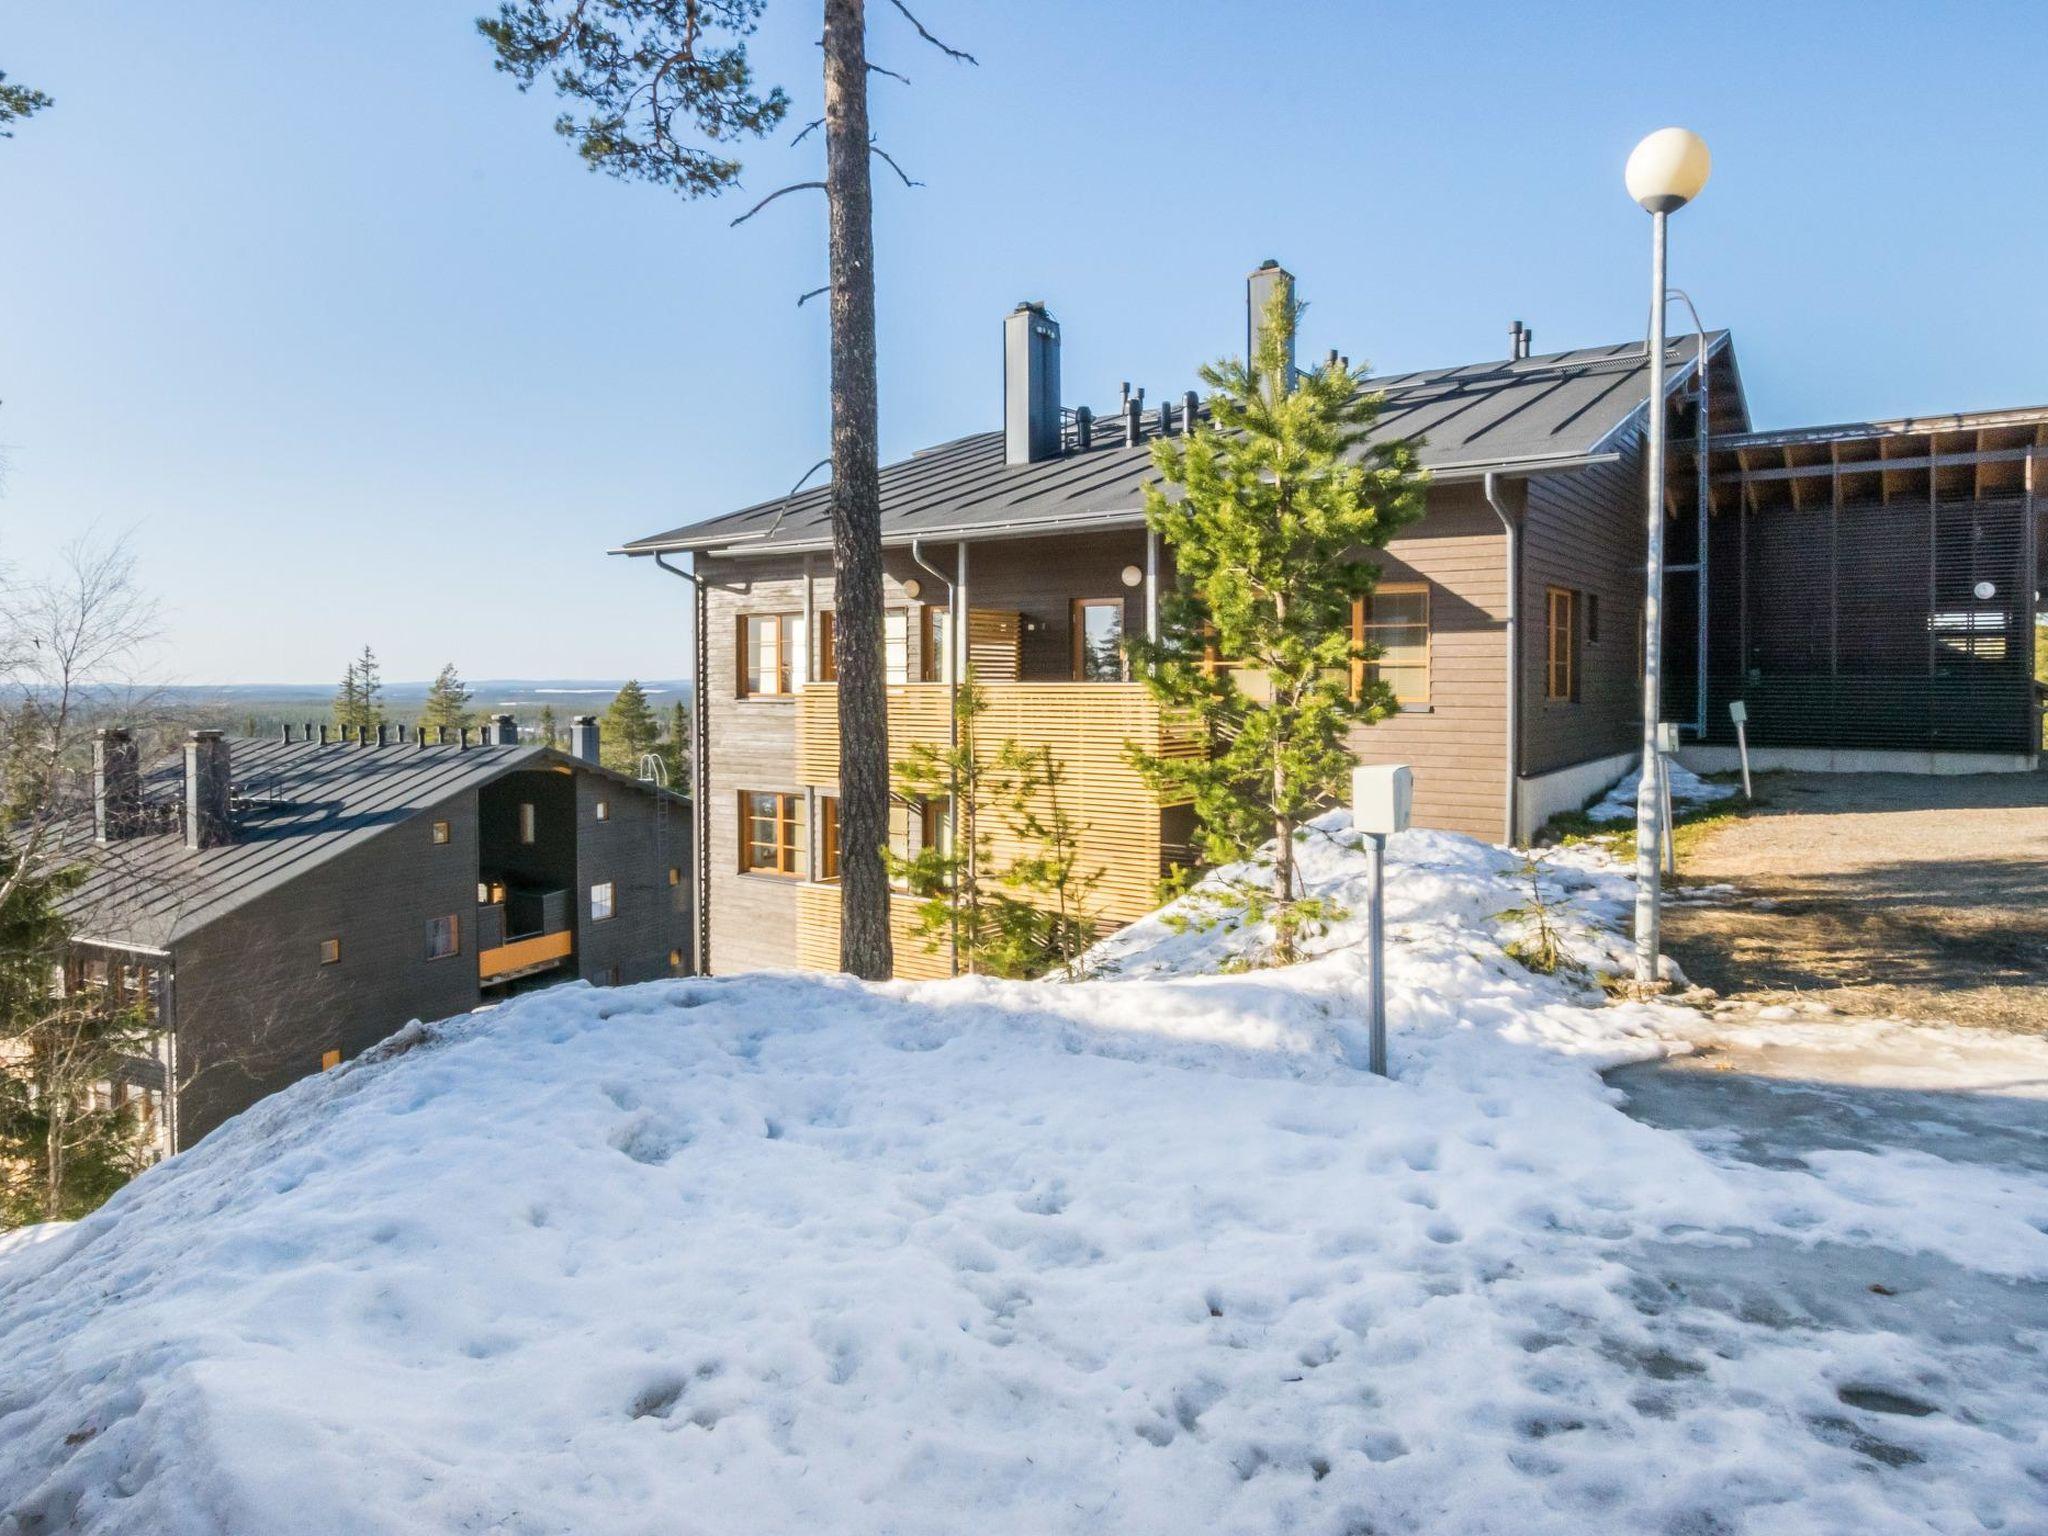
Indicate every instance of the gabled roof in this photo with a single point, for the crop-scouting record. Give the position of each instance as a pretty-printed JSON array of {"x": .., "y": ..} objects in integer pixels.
[
  {"x": 299, "y": 805},
  {"x": 1555, "y": 411}
]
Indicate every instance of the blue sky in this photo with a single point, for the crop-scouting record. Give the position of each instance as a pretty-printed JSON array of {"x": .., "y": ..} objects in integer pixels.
[{"x": 318, "y": 306}]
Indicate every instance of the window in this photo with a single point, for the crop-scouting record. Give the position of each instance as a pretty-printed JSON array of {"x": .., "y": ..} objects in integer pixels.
[
  {"x": 828, "y": 837},
  {"x": 828, "y": 658},
  {"x": 1393, "y": 621},
  {"x": 770, "y": 833},
  {"x": 603, "y": 906},
  {"x": 934, "y": 645},
  {"x": 675, "y": 959},
  {"x": 770, "y": 644},
  {"x": 330, "y": 951},
  {"x": 604, "y": 810},
  {"x": 896, "y": 646},
  {"x": 444, "y": 937},
  {"x": 329, "y": 1060},
  {"x": 675, "y": 874},
  {"x": 1098, "y": 640},
  {"x": 526, "y": 821},
  {"x": 441, "y": 833},
  {"x": 1561, "y": 646}
]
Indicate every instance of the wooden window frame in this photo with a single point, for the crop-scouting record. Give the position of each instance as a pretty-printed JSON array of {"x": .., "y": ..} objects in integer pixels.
[
  {"x": 934, "y": 642},
  {"x": 828, "y": 839},
  {"x": 1077, "y": 624},
  {"x": 441, "y": 834},
  {"x": 1361, "y": 633},
  {"x": 788, "y": 846},
  {"x": 611, "y": 901},
  {"x": 1560, "y": 646},
  {"x": 529, "y": 824},
  {"x": 454, "y": 950},
  {"x": 330, "y": 951},
  {"x": 783, "y": 675}
]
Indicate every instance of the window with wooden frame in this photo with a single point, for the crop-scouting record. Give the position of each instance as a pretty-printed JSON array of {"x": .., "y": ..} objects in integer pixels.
[
  {"x": 771, "y": 833},
  {"x": 528, "y": 822},
  {"x": 675, "y": 874},
  {"x": 1098, "y": 625},
  {"x": 444, "y": 937},
  {"x": 828, "y": 658},
  {"x": 330, "y": 951},
  {"x": 442, "y": 833},
  {"x": 1393, "y": 622},
  {"x": 828, "y": 837},
  {"x": 934, "y": 644},
  {"x": 329, "y": 1060},
  {"x": 1561, "y": 645},
  {"x": 769, "y": 647}
]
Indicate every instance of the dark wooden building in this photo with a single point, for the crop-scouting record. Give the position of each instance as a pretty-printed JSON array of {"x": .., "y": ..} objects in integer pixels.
[{"x": 281, "y": 905}]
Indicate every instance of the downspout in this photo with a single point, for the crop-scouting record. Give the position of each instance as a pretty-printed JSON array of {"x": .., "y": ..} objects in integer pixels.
[
  {"x": 700, "y": 773},
  {"x": 952, "y": 696},
  {"x": 1491, "y": 485}
]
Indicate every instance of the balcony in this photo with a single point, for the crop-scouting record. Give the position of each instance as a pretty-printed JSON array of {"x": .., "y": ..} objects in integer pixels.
[
  {"x": 1085, "y": 725},
  {"x": 524, "y": 957}
]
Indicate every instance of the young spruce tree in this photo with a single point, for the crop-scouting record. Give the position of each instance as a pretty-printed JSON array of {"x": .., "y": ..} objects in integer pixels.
[
  {"x": 1274, "y": 505},
  {"x": 447, "y": 702},
  {"x": 629, "y": 729},
  {"x": 359, "y": 701}
]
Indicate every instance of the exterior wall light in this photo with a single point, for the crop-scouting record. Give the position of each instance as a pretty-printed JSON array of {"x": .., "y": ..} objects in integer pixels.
[{"x": 1132, "y": 576}]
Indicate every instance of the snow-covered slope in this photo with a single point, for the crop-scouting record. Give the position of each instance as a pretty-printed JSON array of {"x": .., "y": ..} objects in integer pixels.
[{"x": 1145, "y": 1254}]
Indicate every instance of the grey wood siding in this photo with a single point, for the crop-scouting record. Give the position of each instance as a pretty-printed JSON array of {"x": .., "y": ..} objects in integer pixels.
[
  {"x": 1457, "y": 746},
  {"x": 1583, "y": 531}
]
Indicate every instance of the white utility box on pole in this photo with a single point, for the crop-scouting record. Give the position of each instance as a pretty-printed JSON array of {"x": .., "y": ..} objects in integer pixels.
[
  {"x": 1381, "y": 796},
  {"x": 1667, "y": 749}
]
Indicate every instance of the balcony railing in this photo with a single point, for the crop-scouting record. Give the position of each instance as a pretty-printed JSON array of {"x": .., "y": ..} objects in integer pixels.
[
  {"x": 1085, "y": 726},
  {"x": 524, "y": 956}
]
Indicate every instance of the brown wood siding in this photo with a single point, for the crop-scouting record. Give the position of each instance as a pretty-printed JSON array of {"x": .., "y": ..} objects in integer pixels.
[
  {"x": 1457, "y": 745},
  {"x": 1583, "y": 531}
]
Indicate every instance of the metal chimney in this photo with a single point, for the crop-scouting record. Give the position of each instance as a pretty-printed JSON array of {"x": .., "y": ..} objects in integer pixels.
[
  {"x": 1134, "y": 422},
  {"x": 383, "y": 734},
  {"x": 1514, "y": 340},
  {"x": 208, "y": 823},
  {"x": 1031, "y": 385},
  {"x": 1258, "y": 293},
  {"x": 504, "y": 731},
  {"x": 583, "y": 738},
  {"x": 1528, "y": 341},
  {"x": 116, "y": 785},
  {"x": 1084, "y": 427},
  {"x": 1190, "y": 412}
]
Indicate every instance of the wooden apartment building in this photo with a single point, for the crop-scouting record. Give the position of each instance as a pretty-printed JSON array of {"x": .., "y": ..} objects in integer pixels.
[
  {"x": 1507, "y": 619},
  {"x": 278, "y": 906}
]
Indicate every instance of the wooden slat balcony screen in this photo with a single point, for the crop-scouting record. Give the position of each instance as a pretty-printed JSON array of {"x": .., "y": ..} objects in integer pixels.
[
  {"x": 817, "y": 936},
  {"x": 1084, "y": 724},
  {"x": 521, "y": 953}
]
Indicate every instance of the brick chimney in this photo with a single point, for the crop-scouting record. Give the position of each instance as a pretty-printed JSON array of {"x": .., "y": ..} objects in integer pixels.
[
  {"x": 208, "y": 819},
  {"x": 116, "y": 786},
  {"x": 583, "y": 738}
]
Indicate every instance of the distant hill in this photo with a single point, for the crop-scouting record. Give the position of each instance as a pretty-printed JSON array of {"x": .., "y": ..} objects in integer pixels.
[{"x": 265, "y": 706}]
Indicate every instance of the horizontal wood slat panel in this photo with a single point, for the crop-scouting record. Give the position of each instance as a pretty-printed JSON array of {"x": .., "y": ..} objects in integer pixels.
[{"x": 817, "y": 936}]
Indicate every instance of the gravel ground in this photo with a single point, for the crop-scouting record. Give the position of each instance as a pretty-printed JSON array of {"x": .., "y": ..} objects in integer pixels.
[{"x": 1899, "y": 895}]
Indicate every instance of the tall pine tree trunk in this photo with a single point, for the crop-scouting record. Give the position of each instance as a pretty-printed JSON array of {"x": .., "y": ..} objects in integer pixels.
[{"x": 864, "y": 947}]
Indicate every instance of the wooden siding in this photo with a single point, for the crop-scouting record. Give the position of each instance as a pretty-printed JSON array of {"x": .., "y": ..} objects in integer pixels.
[
  {"x": 1085, "y": 725},
  {"x": 1457, "y": 745},
  {"x": 817, "y": 936},
  {"x": 1583, "y": 531}
]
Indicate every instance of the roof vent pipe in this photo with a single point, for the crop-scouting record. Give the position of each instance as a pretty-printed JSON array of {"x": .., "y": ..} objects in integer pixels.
[
  {"x": 462, "y": 737},
  {"x": 1190, "y": 408},
  {"x": 1528, "y": 341},
  {"x": 1084, "y": 427},
  {"x": 583, "y": 738},
  {"x": 116, "y": 785},
  {"x": 323, "y": 735},
  {"x": 1514, "y": 339},
  {"x": 1134, "y": 426},
  {"x": 1259, "y": 289},
  {"x": 206, "y": 790},
  {"x": 383, "y": 734},
  {"x": 1166, "y": 418},
  {"x": 440, "y": 735},
  {"x": 363, "y": 735},
  {"x": 1031, "y": 385}
]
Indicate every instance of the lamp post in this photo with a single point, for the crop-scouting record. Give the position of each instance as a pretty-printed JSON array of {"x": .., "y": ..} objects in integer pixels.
[{"x": 1665, "y": 172}]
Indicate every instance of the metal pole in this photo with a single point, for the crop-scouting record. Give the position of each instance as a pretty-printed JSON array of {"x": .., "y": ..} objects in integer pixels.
[
  {"x": 1650, "y": 792},
  {"x": 1670, "y": 828},
  {"x": 1152, "y": 583},
  {"x": 1742, "y": 746},
  {"x": 1376, "y": 1057}
]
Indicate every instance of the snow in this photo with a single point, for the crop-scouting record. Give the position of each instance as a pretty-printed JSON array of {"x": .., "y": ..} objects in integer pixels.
[
  {"x": 1146, "y": 1253},
  {"x": 1687, "y": 789}
]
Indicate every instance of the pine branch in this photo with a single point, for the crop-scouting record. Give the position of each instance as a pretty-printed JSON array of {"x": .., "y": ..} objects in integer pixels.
[
  {"x": 806, "y": 298},
  {"x": 794, "y": 186},
  {"x": 891, "y": 159},
  {"x": 948, "y": 51}
]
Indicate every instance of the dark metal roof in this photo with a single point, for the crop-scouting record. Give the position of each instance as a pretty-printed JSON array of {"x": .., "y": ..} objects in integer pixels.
[
  {"x": 299, "y": 804},
  {"x": 1905, "y": 426},
  {"x": 1537, "y": 413}
]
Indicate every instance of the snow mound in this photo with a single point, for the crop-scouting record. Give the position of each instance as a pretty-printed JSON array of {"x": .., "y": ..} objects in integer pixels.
[
  {"x": 1687, "y": 789},
  {"x": 1148, "y": 1253}
]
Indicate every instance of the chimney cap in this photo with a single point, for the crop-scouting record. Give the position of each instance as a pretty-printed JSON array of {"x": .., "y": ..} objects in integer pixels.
[
  {"x": 112, "y": 733},
  {"x": 203, "y": 734},
  {"x": 583, "y": 720}
]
